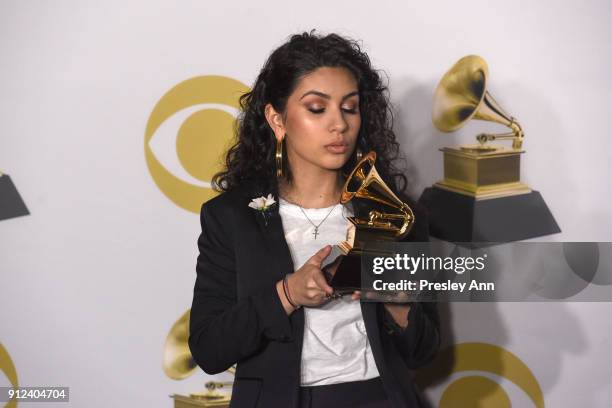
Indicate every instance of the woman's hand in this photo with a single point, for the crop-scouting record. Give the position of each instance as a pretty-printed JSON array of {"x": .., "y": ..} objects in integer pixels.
[{"x": 307, "y": 286}]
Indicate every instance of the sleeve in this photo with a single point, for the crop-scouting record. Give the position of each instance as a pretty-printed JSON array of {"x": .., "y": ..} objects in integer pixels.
[
  {"x": 419, "y": 342},
  {"x": 222, "y": 329}
]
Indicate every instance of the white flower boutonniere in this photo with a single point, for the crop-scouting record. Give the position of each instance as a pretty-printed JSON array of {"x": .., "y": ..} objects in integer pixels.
[{"x": 263, "y": 205}]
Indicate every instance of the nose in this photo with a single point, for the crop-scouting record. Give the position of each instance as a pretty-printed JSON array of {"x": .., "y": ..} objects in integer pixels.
[{"x": 339, "y": 123}]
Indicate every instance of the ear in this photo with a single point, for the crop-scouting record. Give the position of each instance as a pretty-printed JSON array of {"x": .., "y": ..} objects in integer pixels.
[{"x": 275, "y": 120}]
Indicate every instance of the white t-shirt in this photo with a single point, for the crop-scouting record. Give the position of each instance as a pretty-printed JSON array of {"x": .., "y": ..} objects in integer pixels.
[{"x": 336, "y": 347}]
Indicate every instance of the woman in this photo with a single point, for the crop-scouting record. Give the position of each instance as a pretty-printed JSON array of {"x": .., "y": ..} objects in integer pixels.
[{"x": 260, "y": 297}]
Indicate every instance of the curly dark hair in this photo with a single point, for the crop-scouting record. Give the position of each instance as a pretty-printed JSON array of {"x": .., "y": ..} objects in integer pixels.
[{"x": 252, "y": 157}]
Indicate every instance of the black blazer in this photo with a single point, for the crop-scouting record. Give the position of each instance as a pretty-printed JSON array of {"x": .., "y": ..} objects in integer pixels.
[{"x": 237, "y": 316}]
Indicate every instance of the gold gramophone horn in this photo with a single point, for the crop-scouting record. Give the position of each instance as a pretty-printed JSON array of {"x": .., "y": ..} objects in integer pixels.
[
  {"x": 178, "y": 362},
  {"x": 462, "y": 95},
  {"x": 365, "y": 182}
]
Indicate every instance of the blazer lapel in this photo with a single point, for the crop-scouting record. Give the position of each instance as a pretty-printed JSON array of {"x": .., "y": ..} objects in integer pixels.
[
  {"x": 278, "y": 259},
  {"x": 270, "y": 227},
  {"x": 273, "y": 238}
]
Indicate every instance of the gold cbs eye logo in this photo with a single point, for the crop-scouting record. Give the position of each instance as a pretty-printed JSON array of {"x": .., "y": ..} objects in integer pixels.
[
  {"x": 480, "y": 375},
  {"x": 187, "y": 134}
]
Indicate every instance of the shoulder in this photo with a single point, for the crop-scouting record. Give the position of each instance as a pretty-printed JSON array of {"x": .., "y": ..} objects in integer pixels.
[
  {"x": 226, "y": 203},
  {"x": 219, "y": 215}
]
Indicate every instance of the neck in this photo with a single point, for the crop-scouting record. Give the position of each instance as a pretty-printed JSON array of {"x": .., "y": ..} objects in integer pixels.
[{"x": 313, "y": 191}]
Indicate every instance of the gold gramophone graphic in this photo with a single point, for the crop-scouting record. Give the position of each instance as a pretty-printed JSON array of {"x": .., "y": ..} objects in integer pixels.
[
  {"x": 365, "y": 183},
  {"x": 481, "y": 197},
  {"x": 379, "y": 216},
  {"x": 178, "y": 364},
  {"x": 481, "y": 170}
]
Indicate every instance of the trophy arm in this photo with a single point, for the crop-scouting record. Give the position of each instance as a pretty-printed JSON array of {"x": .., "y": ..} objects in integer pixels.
[
  {"x": 382, "y": 221},
  {"x": 409, "y": 220},
  {"x": 516, "y": 135}
]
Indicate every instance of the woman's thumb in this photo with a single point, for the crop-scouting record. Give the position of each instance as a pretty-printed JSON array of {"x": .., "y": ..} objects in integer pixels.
[{"x": 319, "y": 256}]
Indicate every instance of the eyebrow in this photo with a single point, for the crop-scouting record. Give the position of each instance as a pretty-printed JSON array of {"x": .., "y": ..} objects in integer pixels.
[{"x": 326, "y": 96}]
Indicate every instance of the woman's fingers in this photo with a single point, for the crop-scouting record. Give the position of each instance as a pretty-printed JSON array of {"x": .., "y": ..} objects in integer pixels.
[
  {"x": 356, "y": 295},
  {"x": 322, "y": 283}
]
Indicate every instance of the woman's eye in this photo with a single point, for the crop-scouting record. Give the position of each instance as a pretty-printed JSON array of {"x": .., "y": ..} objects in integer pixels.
[{"x": 319, "y": 111}]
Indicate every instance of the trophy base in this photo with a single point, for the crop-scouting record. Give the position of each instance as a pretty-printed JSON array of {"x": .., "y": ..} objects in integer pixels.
[
  {"x": 11, "y": 205},
  {"x": 458, "y": 217},
  {"x": 484, "y": 192},
  {"x": 217, "y": 401},
  {"x": 483, "y": 172},
  {"x": 343, "y": 270}
]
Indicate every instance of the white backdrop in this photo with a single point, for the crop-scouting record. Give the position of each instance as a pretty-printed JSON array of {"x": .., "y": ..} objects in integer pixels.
[{"x": 92, "y": 280}]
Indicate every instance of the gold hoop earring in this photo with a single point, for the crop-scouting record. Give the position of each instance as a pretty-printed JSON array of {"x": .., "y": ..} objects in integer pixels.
[
  {"x": 279, "y": 158},
  {"x": 359, "y": 154}
]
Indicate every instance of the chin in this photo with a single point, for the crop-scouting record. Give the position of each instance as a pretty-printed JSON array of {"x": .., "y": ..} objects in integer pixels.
[{"x": 335, "y": 162}]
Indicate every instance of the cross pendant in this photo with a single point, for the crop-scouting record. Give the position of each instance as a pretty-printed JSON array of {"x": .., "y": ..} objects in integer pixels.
[{"x": 315, "y": 232}]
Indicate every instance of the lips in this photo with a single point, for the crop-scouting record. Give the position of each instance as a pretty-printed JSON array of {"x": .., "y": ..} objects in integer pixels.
[{"x": 337, "y": 148}]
